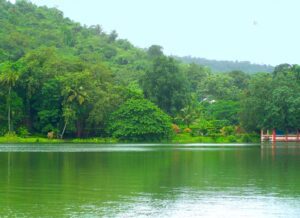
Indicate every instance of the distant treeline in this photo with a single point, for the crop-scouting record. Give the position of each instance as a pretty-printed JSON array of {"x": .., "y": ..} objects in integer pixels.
[
  {"x": 227, "y": 66},
  {"x": 64, "y": 79}
]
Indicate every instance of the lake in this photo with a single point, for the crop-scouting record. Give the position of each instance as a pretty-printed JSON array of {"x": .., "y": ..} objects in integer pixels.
[{"x": 149, "y": 180}]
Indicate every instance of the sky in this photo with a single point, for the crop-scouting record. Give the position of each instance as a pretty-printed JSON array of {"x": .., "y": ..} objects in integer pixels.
[{"x": 259, "y": 31}]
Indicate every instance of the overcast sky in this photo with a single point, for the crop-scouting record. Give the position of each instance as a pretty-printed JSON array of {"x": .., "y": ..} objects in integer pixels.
[{"x": 260, "y": 31}]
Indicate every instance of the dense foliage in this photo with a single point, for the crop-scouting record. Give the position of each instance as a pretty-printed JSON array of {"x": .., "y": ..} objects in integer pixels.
[
  {"x": 165, "y": 85},
  {"x": 140, "y": 120},
  {"x": 273, "y": 101},
  {"x": 62, "y": 79}
]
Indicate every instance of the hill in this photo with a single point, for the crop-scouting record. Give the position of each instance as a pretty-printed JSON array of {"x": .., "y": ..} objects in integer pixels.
[
  {"x": 25, "y": 27},
  {"x": 227, "y": 66}
]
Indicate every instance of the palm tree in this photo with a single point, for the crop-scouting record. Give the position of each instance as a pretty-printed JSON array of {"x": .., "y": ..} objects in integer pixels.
[
  {"x": 187, "y": 115},
  {"x": 191, "y": 112},
  {"x": 8, "y": 77},
  {"x": 74, "y": 93}
]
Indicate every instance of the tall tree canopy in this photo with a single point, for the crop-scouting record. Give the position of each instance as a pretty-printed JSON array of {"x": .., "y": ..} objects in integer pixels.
[
  {"x": 166, "y": 85},
  {"x": 273, "y": 102}
]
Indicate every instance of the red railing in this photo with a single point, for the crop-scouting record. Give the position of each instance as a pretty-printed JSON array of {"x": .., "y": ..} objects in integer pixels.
[{"x": 279, "y": 138}]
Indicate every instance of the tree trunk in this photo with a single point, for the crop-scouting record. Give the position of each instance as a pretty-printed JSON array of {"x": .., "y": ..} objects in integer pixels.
[{"x": 64, "y": 129}]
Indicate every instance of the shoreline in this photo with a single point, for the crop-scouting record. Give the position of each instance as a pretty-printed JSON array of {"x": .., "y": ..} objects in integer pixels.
[{"x": 178, "y": 139}]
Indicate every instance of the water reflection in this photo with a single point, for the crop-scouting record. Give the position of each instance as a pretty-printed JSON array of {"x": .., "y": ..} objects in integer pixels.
[
  {"x": 115, "y": 147},
  {"x": 290, "y": 149},
  {"x": 150, "y": 180}
]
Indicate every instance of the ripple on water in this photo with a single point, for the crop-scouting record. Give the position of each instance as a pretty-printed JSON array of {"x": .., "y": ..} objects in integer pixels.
[{"x": 196, "y": 204}]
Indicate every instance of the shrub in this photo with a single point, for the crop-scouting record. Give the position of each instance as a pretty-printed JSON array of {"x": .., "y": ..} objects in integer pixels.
[
  {"x": 208, "y": 127},
  {"x": 3, "y": 131},
  {"x": 228, "y": 130},
  {"x": 232, "y": 138},
  {"x": 23, "y": 132},
  {"x": 139, "y": 120},
  {"x": 187, "y": 130},
  {"x": 175, "y": 128},
  {"x": 248, "y": 138},
  {"x": 10, "y": 135}
]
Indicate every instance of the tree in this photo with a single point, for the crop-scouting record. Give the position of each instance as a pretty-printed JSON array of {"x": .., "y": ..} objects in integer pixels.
[
  {"x": 196, "y": 74},
  {"x": 38, "y": 68},
  {"x": 272, "y": 102},
  {"x": 253, "y": 102},
  {"x": 113, "y": 36},
  {"x": 155, "y": 51},
  {"x": 165, "y": 85},
  {"x": 283, "y": 105},
  {"x": 68, "y": 114},
  {"x": 224, "y": 110},
  {"x": 218, "y": 87},
  {"x": 139, "y": 120},
  {"x": 75, "y": 94},
  {"x": 8, "y": 77},
  {"x": 282, "y": 69},
  {"x": 49, "y": 109},
  {"x": 190, "y": 112},
  {"x": 106, "y": 101},
  {"x": 296, "y": 71},
  {"x": 287, "y": 70},
  {"x": 240, "y": 78}
]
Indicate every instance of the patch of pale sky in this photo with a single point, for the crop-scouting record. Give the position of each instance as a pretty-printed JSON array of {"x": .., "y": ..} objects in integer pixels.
[{"x": 260, "y": 31}]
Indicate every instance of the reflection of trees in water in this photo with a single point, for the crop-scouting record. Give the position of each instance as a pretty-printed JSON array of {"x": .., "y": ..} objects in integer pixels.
[
  {"x": 8, "y": 167},
  {"x": 62, "y": 178}
]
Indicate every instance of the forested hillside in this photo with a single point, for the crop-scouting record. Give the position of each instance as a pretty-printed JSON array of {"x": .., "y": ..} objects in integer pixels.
[
  {"x": 59, "y": 77},
  {"x": 25, "y": 27},
  {"x": 227, "y": 66}
]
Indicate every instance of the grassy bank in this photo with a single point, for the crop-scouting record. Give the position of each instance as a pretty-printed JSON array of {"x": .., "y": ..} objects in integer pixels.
[
  {"x": 187, "y": 138},
  {"x": 16, "y": 139},
  {"x": 179, "y": 138}
]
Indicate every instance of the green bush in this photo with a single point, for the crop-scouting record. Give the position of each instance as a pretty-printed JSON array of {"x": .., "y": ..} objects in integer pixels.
[
  {"x": 228, "y": 130},
  {"x": 10, "y": 135},
  {"x": 3, "y": 131},
  {"x": 248, "y": 138},
  {"x": 139, "y": 120},
  {"x": 232, "y": 138},
  {"x": 23, "y": 132},
  {"x": 208, "y": 127}
]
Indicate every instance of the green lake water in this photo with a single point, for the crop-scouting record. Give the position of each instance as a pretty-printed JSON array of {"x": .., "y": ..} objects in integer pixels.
[{"x": 150, "y": 180}]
